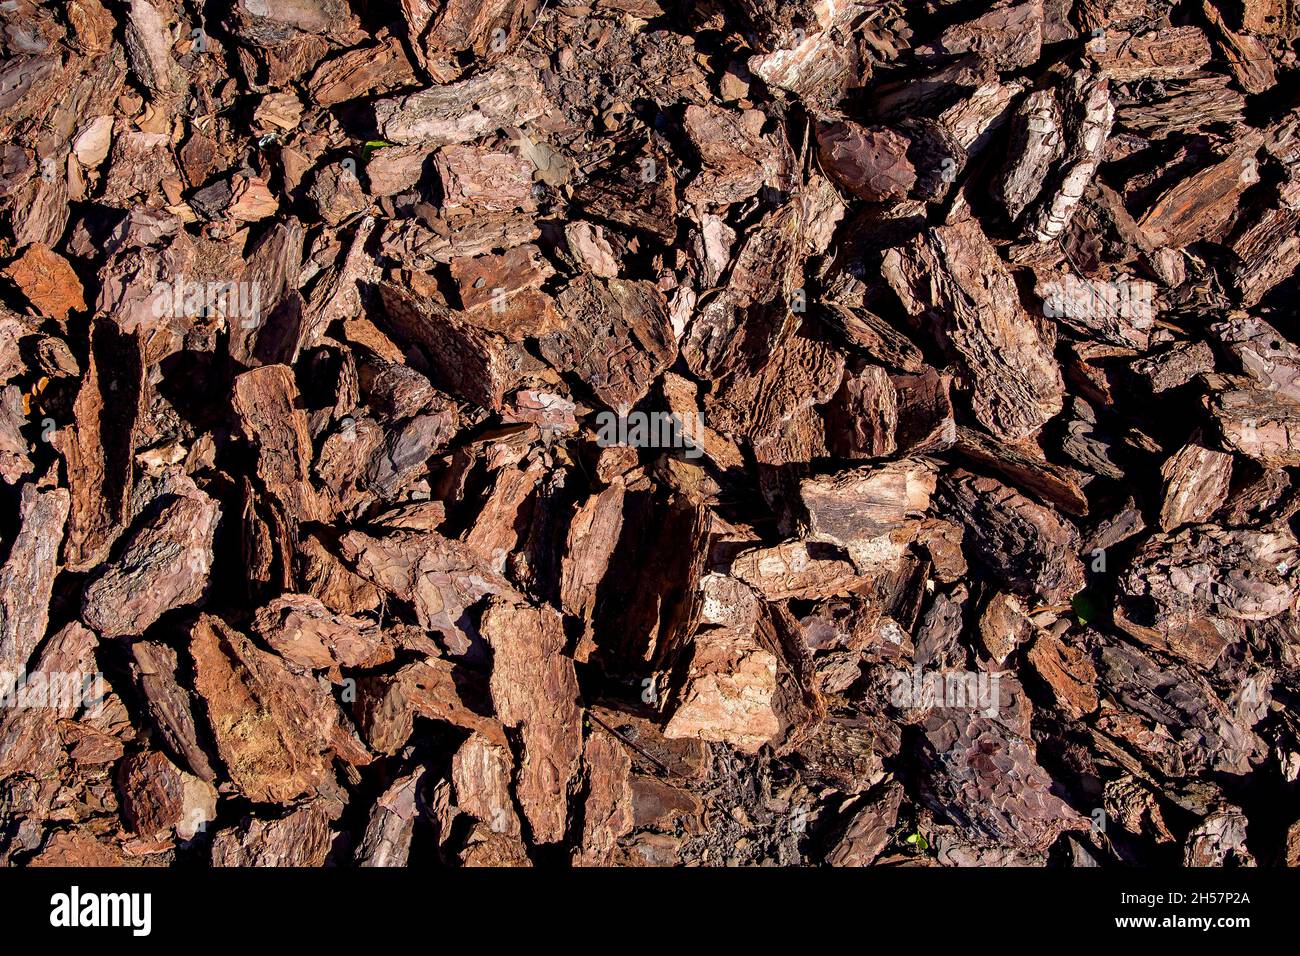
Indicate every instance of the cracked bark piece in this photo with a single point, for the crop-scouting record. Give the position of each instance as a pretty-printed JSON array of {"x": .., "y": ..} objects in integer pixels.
[
  {"x": 170, "y": 705},
  {"x": 1175, "y": 366},
  {"x": 1011, "y": 35},
  {"x": 640, "y": 621},
  {"x": 481, "y": 773},
  {"x": 926, "y": 422},
  {"x": 1088, "y": 115},
  {"x": 1219, "y": 840},
  {"x": 305, "y": 632},
  {"x": 164, "y": 565},
  {"x": 48, "y": 282},
  {"x": 1198, "y": 207},
  {"x": 729, "y": 692},
  {"x": 953, "y": 276},
  {"x": 1196, "y": 484},
  {"x": 465, "y": 360},
  {"x": 972, "y": 121},
  {"x": 159, "y": 799},
  {"x": 1003, "y": 626},
  {"x": 863, "y": 416},
  {"x": 593, "y": 535},
  {"x": 27, "y": 578},
  {"x": 1181, "y": 587},
  {"x": 477, "y": 182},
  {"x": 99, "y": 446},
  {"x": 498, "y": 530},
  {"x": 535, "y": 690},
  {"x": 501, "y": 293},
  {"x": 1119, "y": 312},
  {"x": 1037, "y": 142},
  {"x": 1194, "y": 728},
  {"x": 849, "y": 753},
  {"x": 387, "y": 838},
  {"x": 801, "y": 51},
  {"x": 299, "y": 838},
  {"x": 1158, "y": 55},
  {"x": 797, "y": 569},
  {"x": 615, "y": 337},
  {"x": 337, "y": 194},
  {"x": 268, "y": 405},
  {"x": 406, "y": 450},
  {"x": 607, "y": 812},
  {"x": 438, "y": 689},
  {"x": 272, "y": 726},
  {"x": 868, "y": 511},
  {"x": 1024, "y": 544},
  {"x": 737, "y": 160},
  {"x": 29, "y": 736},
  {"x": 78, "y": 848},
  {"x": 361, "y": 71},
  {"x": 148, "y": 39},
  {"x": 870, "y": 163},
  {"x": 1067, "y": 671},
  {"x": 506, "y": 96},
  {"x": 1264, "y": 353},
  {"x": 637, "y": 188},
  {"x": 988, "y": 779},
  {"x": 869, "y": 831},
  {"x": 1047, "y": 482},
  {"x": 1258, "y": 424},
  {"x": 773, "y": 408},
  {"x": 442, "y": 578}
]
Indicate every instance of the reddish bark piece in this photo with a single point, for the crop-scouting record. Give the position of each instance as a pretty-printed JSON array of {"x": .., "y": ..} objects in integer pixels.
[
  {"x": 272, "y": 726},
  {"x": 481, "y": 772},
  {"x": 267, "y": 403},
  {"x": 158, "y": 798},
  {"x": 302, "y": 630},
  {"x": 387, "y": 840},
  {"x": 1067, "y": 671},
  {"x": 27, "y": 578},
  {"x": 615, "y": 337},
  {"x": 299, "y": 838},
  {"x": 952, "y": 276},
  {"x": 98, "y": 447},
  {"x": 29, "y": 736},
  {"x": 870, "y": 163},
  {"x": 1196, "y": 484},
  {"x": 607, "y": 812},
  {"x": 869, "y": 831},
  {"x": 48, "y": 282},
  {"x": 535, "y": 690},
  {"x": 164, "y": 565},
  {"x": 1025, "y": 544}
]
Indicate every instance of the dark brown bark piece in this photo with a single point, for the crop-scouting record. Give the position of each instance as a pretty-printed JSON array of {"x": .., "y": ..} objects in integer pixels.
[
  {"x": 535, "y": 690},
  {"x": 1023, "y": 543},
  {"x": 615, "y": 337},
  {"x": 27, "y": 578},
  {"x": 164, "y": 565},
  {"x": 953, "y": 277}
]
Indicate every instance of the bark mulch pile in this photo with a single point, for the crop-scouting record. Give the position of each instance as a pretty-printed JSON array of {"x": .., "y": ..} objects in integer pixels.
[{"x": 506, "y": 432}]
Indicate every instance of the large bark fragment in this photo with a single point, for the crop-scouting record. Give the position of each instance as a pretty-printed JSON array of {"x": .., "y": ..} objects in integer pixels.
[
  {"x": 272, "y": 727},
  {"x": 615, "y": 338},
  {"x": 1025, "y": 544},
  {"x": 27, "y": 578},
  {"x": 953, "y": 277},
  {"x": 535, "y": 690},
  {"x": 464, "y": 111},
  {"x": 163, "y": 565}
]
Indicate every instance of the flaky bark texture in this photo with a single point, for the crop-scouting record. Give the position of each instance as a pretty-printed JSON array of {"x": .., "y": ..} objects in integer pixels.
[{"x": 456, "y": 433}]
